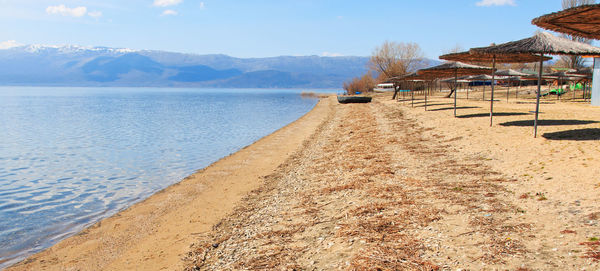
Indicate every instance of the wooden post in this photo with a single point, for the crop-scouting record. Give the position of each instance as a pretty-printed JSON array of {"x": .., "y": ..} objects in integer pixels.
[
  {"x": 537, "y": 100},
  {"x": 412, "y": 95},
  {"x": 492, "y": 98},
  {"x": 519, "y": 88},
  {"x": 426, "y": 96},
  {"x": 558, "y": 89},
  {"x": 455, "y": 89},
  {"x": 483, "y": 98},
  {"x": 574, "y": 88},
  {"x": 468, "y": 87},
  {"x": 508, "y": 89}
]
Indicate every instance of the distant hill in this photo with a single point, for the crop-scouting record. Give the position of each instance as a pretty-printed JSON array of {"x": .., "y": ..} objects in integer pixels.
[{"x": 38, "y": 65}]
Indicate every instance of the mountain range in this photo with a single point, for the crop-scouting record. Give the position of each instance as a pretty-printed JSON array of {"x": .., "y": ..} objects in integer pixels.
[{"x": 70, "y": 65}]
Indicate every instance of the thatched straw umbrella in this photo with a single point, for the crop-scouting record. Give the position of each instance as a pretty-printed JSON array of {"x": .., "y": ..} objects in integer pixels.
[
  {"x": 474, "y": 57},
  {"x": 414, "y": 77},
  {"x": 588, "y": 74},
  {"x": 512, "y": 74},
  {"x": 542, "y": 43},
  {"x": 461, "y": 79},
  {"x": 581, "y": 21},
  {"x": 561, "y": 76},
  {"x": 484, "y": 78},
  {"x": 455, "y": 69}
]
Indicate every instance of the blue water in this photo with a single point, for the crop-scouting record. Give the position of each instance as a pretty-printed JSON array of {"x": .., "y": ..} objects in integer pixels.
[{"x": 72, "y": 156}]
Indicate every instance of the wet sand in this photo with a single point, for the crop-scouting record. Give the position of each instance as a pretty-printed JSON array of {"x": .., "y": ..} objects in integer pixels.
[{"x": 156, "y": 233}]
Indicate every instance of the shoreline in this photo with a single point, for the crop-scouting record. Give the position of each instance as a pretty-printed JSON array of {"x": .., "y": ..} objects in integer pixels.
[
  {"x": 156, "y": 232},
  {"x": 380, "y": 185}
]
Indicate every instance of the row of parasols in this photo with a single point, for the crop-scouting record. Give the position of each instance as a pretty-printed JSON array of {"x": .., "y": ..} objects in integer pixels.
[
  {"x": 508, "y": 76},
  {"x": 528, "y": 50}
]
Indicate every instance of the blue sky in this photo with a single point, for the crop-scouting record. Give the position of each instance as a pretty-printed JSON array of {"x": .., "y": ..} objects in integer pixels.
[{"x": 263, "y": 28}]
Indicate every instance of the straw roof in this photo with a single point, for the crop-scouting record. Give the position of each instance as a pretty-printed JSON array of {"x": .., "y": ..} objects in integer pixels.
[
  {"x": 541, "y": 43},
  {"x": 451, "y": 80},
  {"x": 475, "y": 57},
  {"x": 511, "y": 72},
  {"x": 581, "y": 21},
  {"x": 414, "y": 76},
  {"x": 454, "y": 68},
  {"x": 513, "y": 78},
  {"x": 584, "y": 71},
  {"x": 563, "y": 74},
  {"x": 482, "y": 77}
]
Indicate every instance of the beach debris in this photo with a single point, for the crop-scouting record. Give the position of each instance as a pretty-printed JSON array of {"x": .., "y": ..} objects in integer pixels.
[{"x": 340, "y": 203}]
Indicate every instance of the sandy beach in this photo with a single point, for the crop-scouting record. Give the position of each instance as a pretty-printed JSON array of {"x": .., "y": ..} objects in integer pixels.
[
  {"x": 384, "y": 186},
  {"x": 390, "y": 187},
  {"x": 155, "y": 233}
]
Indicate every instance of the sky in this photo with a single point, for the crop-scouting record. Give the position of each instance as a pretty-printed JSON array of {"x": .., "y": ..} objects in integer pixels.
[{"x": 264, "y": 28}]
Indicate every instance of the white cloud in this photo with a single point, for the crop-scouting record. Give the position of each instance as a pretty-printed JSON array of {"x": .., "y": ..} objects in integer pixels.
[
  {"x": 201, "y": 4},
  {"x": 331, "y": 54},
  {"x": 487, "y": 3},
  {"x": 340, "y": 17},
  {"x": 9, "y": 44},
  {"x": 65, "y": 11},
  {"x": 166, "y": 3},
  {"x": 169, "y": 12},
  {"x": 95, "y": 14}
]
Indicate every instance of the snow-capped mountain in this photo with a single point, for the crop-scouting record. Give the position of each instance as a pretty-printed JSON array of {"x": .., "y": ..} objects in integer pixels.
[
  {"x": 70, "y": 49},
  {"x": 73, "y": 65}
]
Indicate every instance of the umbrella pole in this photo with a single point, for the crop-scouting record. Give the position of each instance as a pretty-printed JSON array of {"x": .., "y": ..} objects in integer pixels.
[
  {"x": 492, "y": 98},
  {"x": 483, "y": 97},
  {"x": 412, "y": 95},
  {"x": 455, "y": 89},
  {"x": 508, "y": 90},
  {"x": 468, "y": 91},
  {"x": 537, "y": 99},
  {"x": 558, "y": 89},
  {"x": 517, "y": 91},
  {"x": 426, "y": 90}
]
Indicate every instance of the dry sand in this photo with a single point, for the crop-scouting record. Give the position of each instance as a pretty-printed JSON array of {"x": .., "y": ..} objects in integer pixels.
[
  {"x": 390, "y": 187},
  {"x": 154, "y": 234},
  {"x": 381, "y": 186}
]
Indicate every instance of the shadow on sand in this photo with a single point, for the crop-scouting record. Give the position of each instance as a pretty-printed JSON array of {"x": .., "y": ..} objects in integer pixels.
[
  {"x": 451, "y": 108},
  {"x": 499, "y": 114},
  {"x": 548, "y": 122},
  {"x": 578, "y": 134},
  {"x": 428, "y": 105}
]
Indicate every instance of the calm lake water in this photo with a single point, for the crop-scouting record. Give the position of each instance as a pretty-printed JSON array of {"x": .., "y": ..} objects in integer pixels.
[{"x": 72, "y": 156}]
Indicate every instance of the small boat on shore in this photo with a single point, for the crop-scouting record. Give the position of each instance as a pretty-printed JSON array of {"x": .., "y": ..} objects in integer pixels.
[{"x": 353, "y": 99}]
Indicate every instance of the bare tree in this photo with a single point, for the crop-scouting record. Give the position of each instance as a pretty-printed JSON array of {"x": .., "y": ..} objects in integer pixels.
[
  {"x": 393, "y": 59},
  {"x": 574, "y": 62}
]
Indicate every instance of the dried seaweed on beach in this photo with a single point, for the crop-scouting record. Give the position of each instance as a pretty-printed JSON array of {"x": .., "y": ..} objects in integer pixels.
[{"x": 370, "y": 190}]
